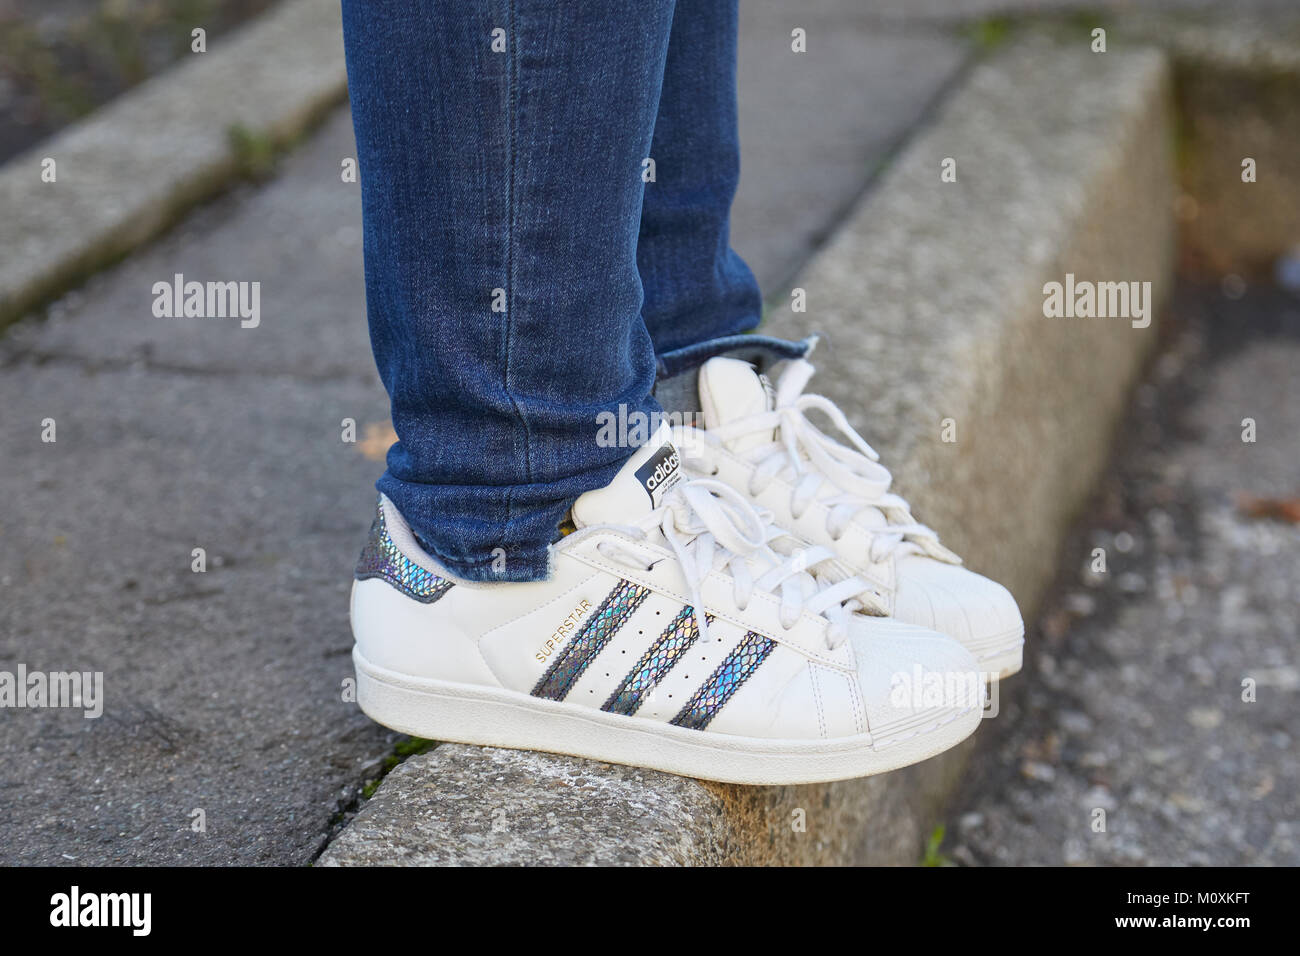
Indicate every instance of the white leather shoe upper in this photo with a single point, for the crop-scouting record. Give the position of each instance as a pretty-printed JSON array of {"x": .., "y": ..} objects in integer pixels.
[
  {"x": 759, "y": 440},
  {"x": 956, "y": 602}
]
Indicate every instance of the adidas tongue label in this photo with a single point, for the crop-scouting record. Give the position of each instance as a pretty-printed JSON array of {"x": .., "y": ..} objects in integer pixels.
[{"x": 660, "y": 473}]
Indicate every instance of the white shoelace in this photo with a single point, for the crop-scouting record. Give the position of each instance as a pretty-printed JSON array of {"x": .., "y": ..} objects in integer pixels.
[
  {"x": 802, "y": 453},
  {"x": 710, "y": 526}
]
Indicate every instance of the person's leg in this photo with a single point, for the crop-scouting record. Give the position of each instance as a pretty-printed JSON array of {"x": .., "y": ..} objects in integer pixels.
[
  {"x": 696, "y": 287},
  {"x": 500, "y": 145},
  {"x": 700, "y": 296}
]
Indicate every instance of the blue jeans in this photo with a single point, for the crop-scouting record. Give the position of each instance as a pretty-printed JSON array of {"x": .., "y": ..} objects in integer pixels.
[{"x": 528, "y": 267}]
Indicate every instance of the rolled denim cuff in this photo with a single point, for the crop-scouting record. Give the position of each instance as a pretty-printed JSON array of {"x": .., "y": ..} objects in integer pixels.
[{"x": 677, "y": 386}]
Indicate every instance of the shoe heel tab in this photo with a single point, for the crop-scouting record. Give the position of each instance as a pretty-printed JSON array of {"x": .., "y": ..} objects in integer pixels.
[{"x": 383, "y": 557}]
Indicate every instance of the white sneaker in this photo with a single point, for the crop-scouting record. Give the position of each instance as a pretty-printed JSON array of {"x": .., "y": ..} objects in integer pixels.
[
  {"x": 775, "y": 679},
  {"x": 759, "y": 441}
]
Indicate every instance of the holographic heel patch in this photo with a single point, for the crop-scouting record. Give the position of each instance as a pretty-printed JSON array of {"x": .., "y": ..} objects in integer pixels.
[{"x": 382, "y": 559}]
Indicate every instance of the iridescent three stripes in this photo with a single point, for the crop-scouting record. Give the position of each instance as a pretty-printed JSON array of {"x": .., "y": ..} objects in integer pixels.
[
  {"x": 734, "y": 670},
  {"x": 666, "y": 650},
  {"x": 600, "y": 628},
  {"x": 655, "y": 663}
]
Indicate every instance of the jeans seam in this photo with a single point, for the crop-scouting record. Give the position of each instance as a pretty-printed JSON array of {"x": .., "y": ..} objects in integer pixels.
[{"x": 512, "y": 108}]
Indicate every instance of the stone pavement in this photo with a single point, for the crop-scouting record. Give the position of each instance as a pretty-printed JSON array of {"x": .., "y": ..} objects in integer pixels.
[
  {"x": 1133, "y": 707},
  {"x": 223, "y": 689}
]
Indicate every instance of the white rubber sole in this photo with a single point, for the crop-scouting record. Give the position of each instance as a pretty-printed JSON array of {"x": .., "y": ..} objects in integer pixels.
[
  {"x": 1002, "y": 655},
  {"x": 493, "y": 717}
]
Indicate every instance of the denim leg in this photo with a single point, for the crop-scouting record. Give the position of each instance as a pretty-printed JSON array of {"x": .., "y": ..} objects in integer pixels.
[
  {"x": 500, "y": 145},
  {"x": 696, "y": 287}
]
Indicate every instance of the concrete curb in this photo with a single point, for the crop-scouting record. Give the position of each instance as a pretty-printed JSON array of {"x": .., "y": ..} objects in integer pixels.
[
  {"x": 127, "y": 171},
  {"x": 1238, "y": 96},
  {"x": 932, "y": 295}
]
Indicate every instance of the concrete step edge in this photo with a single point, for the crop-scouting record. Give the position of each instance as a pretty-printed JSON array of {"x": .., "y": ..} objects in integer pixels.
[{"x": 128, "y": 170}]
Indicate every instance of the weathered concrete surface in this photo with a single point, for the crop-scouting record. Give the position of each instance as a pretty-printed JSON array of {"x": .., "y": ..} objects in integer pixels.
[
  {"x": 299, "y": 236},
  {"x": 932, "y": 298},
  {"x": 223, "y": 689},
  {"x": 126, "y": 171},
  {"x": 461, "y": 805},
  {"x": 542, "y": 810},
  {"x": 1134, "y": 706},
  {"x": 1238, "y": 92},
  {"x": 932, "y": 293},
  {"x": 816, "y": 125}
]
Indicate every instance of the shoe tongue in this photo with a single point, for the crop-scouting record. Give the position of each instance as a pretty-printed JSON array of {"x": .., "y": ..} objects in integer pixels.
[
  {"x": 637, "y": 489},
  {"x": 731, "y": 390}
]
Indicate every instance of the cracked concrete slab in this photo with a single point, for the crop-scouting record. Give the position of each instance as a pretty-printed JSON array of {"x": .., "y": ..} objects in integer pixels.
[{"x": 222, "y": 688}]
